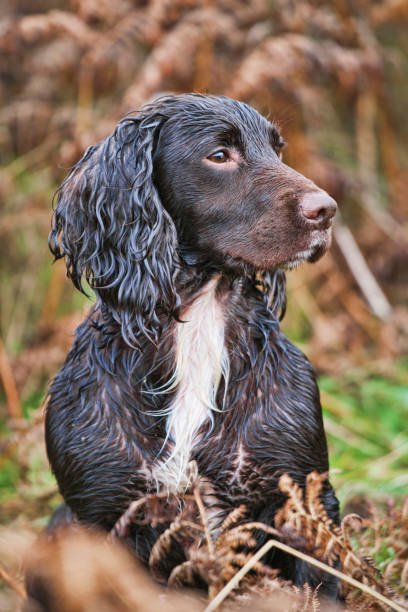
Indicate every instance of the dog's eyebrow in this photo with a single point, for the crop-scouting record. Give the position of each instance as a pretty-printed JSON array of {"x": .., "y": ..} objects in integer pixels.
[
  {"x": 223, "y": 135},
  {"x": 275, "y": 138},
  {"x": 232, "y": 136}
]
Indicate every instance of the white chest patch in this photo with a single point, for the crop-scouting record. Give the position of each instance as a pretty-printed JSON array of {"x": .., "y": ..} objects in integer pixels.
[{"x": 201, "y": 361}]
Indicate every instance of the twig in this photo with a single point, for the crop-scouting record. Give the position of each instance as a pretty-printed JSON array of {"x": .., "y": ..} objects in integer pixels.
[
  {"x": 9, "y": 385},
  {"x": 12, "y": 583},
  {"x": 213, "y": 605},
  {"x": 363, "y": 276},
  {"x": 203, "y": 516}
]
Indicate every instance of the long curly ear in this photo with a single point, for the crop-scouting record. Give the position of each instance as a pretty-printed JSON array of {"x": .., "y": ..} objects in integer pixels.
[{"x": 112, "y": 229}]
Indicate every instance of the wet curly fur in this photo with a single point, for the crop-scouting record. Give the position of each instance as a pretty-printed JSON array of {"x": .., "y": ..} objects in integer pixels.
[{"x": 183, "y": 222}]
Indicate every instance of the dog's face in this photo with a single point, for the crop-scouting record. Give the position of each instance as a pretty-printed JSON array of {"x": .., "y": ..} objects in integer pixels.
[{"x": 219, "y": 173}]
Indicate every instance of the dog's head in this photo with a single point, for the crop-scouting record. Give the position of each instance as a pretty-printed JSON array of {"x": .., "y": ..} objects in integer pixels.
[
  {"x": 219, "y": 173},
  {"x": 191, "y": 174}
]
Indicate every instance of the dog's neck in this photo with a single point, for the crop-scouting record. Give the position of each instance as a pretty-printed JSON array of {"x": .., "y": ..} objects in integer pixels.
[{"x": 235, "y": 278}]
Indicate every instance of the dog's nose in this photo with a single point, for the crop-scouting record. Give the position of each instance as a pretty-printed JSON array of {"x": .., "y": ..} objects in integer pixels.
[{"x": 318, "y": 206}]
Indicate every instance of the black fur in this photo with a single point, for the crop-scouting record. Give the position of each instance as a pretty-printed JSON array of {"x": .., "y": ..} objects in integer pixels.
[{"x": 148, "y": 217}]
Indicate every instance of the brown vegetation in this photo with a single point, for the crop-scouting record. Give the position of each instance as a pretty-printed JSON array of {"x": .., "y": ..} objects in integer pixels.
[
  {"x": 82, "y": 570},
  {"x": 334, "y": 76}
]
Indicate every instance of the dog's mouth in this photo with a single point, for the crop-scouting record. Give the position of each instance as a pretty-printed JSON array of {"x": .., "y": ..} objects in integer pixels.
[
  {"x": 315, "y": 247},
  {"x": 313, "y": 253}
]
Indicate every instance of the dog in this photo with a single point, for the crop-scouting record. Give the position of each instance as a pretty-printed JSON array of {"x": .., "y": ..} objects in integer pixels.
[{"x": 183, "y": 223}]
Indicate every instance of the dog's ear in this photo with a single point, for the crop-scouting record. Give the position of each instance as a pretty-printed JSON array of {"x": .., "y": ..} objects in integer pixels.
[{"x": 112, "y": 229}]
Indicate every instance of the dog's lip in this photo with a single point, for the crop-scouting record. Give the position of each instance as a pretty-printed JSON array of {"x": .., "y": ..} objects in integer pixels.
[{"x": 316, "y": 249}]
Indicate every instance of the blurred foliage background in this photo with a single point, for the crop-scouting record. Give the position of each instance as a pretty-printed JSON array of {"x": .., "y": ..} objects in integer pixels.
[{"x": 334, "y": 77}]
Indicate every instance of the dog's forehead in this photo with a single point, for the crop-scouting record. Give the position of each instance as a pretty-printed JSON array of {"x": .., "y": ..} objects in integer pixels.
[{"x": 207, "y": 116}]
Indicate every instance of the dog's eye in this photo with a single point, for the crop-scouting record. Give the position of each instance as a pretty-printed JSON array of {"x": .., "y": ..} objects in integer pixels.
[{"x": 219, "y": 157}]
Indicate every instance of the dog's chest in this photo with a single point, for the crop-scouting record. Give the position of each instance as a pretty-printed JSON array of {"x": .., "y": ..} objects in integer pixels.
[{"x": 201, "y": 362}]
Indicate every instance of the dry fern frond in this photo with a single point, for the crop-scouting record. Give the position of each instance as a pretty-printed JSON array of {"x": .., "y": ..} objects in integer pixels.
[
  {"x": 182, "y": 575},
  {"x": 310, "y": 597},
  {"x": 293, "y": 57},
  {"x": 153, "y": 510},
  {"x": 321, "y": 537},
  {"x": 388, "y": 11},
  {"x": 175, "y": 54},
  {"x": 215, "y": 557},
  {"x": 235, "y": 516},
  {"x": 33, "y": 28},
  {"x": 184, "y": 534},
  {"x": 189, "y": 549},
  {"x": 101, "y": 11},
  {"x": 227, "y": 558}
]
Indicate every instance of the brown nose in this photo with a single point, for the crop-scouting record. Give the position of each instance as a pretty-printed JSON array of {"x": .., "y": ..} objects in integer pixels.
[{"x": 318, "y": 207}]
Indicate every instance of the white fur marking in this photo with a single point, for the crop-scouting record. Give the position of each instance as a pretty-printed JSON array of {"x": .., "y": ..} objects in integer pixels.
[{"x": 201, "y": 361}]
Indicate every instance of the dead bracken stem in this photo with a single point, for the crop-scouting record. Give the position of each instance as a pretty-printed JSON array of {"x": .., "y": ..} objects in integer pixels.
[
  {"x": 12, "y": 583},
  {"x": 204, "y": 520},
  {"x": 213, "y": 605}
]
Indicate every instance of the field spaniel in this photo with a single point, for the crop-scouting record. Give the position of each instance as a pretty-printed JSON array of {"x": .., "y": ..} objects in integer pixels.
[{"x": 183, "y": 222}]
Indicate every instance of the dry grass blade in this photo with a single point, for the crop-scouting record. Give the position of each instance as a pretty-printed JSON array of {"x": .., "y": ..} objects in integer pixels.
[
  {"x": 204, "y": 520},
  {"x": 361, "y": 272},
  {"x": 233, "y": 583},
  {"x": 12, "y": 583}
]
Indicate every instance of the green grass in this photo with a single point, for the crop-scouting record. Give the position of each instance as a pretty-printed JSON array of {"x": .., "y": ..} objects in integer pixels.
[
  {"x": 24, "y": 471},
  {"x": 365, "y": 418}
]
